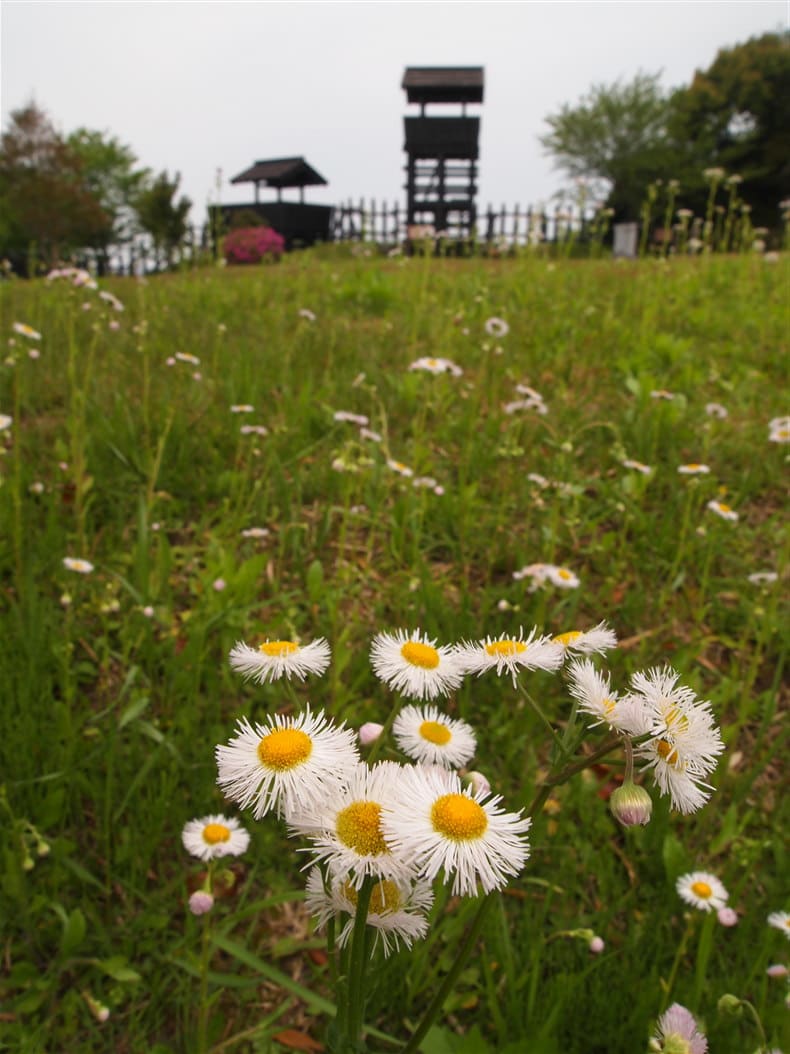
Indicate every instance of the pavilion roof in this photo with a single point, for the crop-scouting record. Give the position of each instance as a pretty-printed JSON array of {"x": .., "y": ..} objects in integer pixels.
[
  {"x": 443, "y": 83},
  {"x": 281, "y": 172}
]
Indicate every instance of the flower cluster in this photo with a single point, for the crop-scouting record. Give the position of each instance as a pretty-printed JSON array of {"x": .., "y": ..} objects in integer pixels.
[{"x": 675, "y": 733}]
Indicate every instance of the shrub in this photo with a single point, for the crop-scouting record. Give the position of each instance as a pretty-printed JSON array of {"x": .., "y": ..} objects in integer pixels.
[{"x": 253, "y": 244}]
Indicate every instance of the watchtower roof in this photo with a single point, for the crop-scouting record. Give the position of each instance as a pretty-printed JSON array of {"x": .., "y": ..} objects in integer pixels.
[
  {"x": 424, "y": 84},
  {"x": 281, "y": 172}
]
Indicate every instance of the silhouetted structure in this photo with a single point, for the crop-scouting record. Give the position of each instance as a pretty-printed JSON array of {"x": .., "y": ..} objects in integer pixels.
[
  {"x": 299, "y": 223},
  {"x": 442, "y": 152}
]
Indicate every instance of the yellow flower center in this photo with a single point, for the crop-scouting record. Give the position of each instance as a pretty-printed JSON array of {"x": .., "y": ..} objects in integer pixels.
[
  {"x": 284, "y": 748},
  {"x": 701, "y": 890},
  {"x": 567, "y": 638},
  {"x": 215, "y": 832},
  {"x": 608, "y": 705},
  {"x": 359, "y": 827},
  {"x": 277, "y": 649},
  {"x": 457, "y": 817},
  {"x": 674, "y": 717},
  {"x": 435, "y": 732},
  {"x": 668, "y": 753},
  {"x": 422, "y": 655},
  {"x": 693, "y": 466},
  {"x": 431, "y": 362},
  {"x": 385, "y": 897},
  {"x": 564, "y": 573},
  {"x": 505, "y": 647},
  {"x": 723, "y": 507}
]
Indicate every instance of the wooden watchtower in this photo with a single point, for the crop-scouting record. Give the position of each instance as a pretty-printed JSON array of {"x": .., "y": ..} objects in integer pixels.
[{"x": 442, "y": 152}]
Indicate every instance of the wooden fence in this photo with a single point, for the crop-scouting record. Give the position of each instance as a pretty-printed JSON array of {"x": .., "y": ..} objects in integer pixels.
[{"x": 373, "y": 223}]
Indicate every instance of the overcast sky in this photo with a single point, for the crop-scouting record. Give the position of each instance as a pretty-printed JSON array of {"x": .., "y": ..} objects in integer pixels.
[{"x": 200, "y": 87}]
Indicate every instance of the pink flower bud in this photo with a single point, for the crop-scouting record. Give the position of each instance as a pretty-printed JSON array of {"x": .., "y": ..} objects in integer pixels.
[
  {"x": 369, "y": 733},
  {"x": 200, "y": 902},
  {"x": 596, "y": 945},
  {"x": 777, "y": 970},
  {"x": 478, "y": 782},
  {"x": 631, "y": 804},
  {"x": 727, "y": 917}
]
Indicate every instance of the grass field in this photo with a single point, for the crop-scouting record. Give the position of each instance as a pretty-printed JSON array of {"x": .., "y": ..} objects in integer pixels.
[{"x": 124, "y": 452}]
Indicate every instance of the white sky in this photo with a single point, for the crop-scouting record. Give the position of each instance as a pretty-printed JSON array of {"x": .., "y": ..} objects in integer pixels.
[{"x": 196, "y": 87}]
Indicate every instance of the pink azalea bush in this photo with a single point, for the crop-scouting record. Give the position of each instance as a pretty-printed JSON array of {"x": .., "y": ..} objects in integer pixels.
[{"x": 253, "y": 244}]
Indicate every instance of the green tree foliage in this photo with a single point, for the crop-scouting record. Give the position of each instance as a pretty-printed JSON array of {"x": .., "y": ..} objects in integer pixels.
[
  {"x": 617, "y": 134},
  {"x": 46, "y": 208},
  {"x": 109, "y": 174},
  {"x": 161, "y": 216},
  {"x": 736, "y": 115}
]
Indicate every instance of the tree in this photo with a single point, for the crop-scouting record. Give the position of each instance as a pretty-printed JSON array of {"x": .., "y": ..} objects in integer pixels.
[
  {"x": 160, "y": 215},
  {"x": 46, "y": 209},
  {"x": 736, "y": 116},
  {"x": 108, "y": 173},
  {"x": 617, "y": 134}
]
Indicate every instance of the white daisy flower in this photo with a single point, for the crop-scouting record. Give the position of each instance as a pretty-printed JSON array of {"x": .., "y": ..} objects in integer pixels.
[
  {"x": 354, "y": 419},
  {"x": 432, "y": 738},
  {"x": 345, "y": 828},
  {"x": 400, "y": 468},
  {"x": 26, "y": 331},
  {"x": 442, "y": 827},
  {"x": 290, "y": 763},
  {"x": 368, "y": 433},
  {"x": 561, "y": 577},
  {"x": 693, "y": 469},
  {"x": 280, "y": 658},
  {"x": 424, "y": 482},
  {"x": 183, "y": 356},
  {"x": 676, "y": 1031},
  {"x": 542, "y": 482},
  {"x": 256, "y": 430},
  {"x": 397, "y": 909},
  {"x": 595, "y": 697},
  {"x": 724, "y": 511},
  {"x": 411, "y": 664},
  {"x": 702, "y": 891},
  {"x": 431, "y": 365},
  {"x": 214, "y": 836},
  {"x": 716, "y": 410},
  {"x": 242, "y": 408},
  {"x": 255, "y": 532},
  {"x": 511, "y": 654},
  {"x": 780, "y": 920},
  {"x": 638, "y": 466},
  {"x": 83, "y": 567},
  {"x": 526, "y": 404},
  {"x": 763, "y": 577},
  {"x": 112, "y": 300},
  {"x": 780, "y": 434},
  {"x": 496, "y": 327},
  {"x": 662, "y": 393},
  {"x": 685, "y": 742},
  {"x": 5, "y": 422},
  {"x": 779, "y": 422},
  {"x": 307, "y": 314},
  {"x": 586, "y": 642},
  {"x": 524, "y": 389}
]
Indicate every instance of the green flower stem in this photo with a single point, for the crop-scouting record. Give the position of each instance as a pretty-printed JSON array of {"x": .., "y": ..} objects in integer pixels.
[
  {"x": 462, "y": 955},
  {"x": 205, "y": 959},
  {"x": 359, "y": 958},
  {"x": 758, "y": 1025},
  {"x": 673, "y": 972},
  {"x": 571, "y": 770}
]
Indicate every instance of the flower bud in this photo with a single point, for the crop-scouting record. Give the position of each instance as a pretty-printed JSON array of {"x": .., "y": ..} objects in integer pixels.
[
  {"x": 201, "y": 902},
  {"x": 777, "y": 970},
  {"x": 596, "y": 945},
  {"x": 369, "y": 733},
  {"x": 727, "y": 917},
  {"x": 631, "y": 804},
  {"x": 477, "y": 782},
  {"x": 730, "y": 1005}
]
